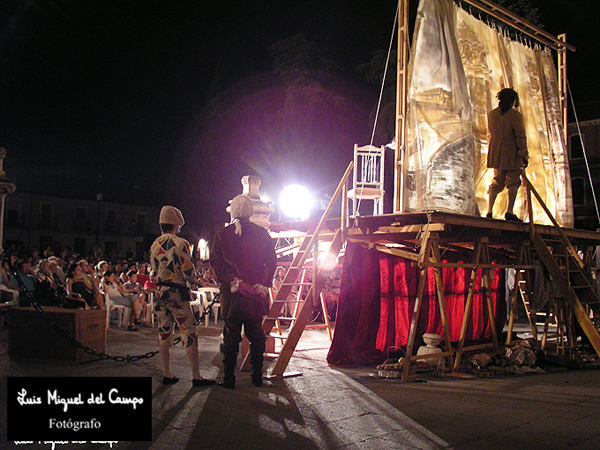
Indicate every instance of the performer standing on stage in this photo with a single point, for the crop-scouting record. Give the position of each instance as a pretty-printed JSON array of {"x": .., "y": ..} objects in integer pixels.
[{"x": 507, "y": 150}]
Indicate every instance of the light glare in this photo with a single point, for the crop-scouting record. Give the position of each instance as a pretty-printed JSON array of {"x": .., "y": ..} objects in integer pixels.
[{"x": 296, "y": 202}]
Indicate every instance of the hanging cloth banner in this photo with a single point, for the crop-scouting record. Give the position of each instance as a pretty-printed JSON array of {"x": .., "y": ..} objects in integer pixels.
[{"x": 458, "y": 64}]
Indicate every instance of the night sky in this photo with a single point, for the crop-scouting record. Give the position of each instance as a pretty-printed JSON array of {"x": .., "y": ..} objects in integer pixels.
[{"x": 174, "y": 101}]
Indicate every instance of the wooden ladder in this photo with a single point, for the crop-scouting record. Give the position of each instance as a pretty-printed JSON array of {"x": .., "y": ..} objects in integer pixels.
[
  {"x": 524, "y": 286},
  {"x": 568, "y": 271},
  {"x": 296, "y": 297},
  {"x": 308, "y": 248}
]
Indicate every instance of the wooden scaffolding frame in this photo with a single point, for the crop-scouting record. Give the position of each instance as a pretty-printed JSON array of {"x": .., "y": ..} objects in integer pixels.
[
  {"x": 423, "y": 237},
  {"x": 484, "y": 245}
]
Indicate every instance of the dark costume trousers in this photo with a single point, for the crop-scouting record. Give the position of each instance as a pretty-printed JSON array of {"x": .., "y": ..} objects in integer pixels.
[{"x": 232, "y": 336}]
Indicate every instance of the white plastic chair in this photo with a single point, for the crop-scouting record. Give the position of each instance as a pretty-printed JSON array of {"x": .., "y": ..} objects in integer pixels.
[
  {"x": 367, "y": 178},
  {"x": 149, "y": 312},
  {"x": 197, "y": 301},
  {"x": 202, "y": 297},
  {"x": 123, "y": 312}
]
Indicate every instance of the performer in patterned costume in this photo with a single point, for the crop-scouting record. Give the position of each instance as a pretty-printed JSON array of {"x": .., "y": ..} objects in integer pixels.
[{"x": 171, "y": 262}]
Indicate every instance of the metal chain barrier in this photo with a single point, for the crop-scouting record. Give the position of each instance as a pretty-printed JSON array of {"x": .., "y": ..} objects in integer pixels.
[{"x": 76, "y": 343}]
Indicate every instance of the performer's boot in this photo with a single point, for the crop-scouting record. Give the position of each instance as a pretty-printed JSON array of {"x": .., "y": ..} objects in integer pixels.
[
  {"x": 256, "y": 360},
  {"x": 230, "y": 353}
]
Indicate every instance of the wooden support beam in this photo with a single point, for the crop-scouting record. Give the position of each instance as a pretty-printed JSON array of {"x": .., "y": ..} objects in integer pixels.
[
  {"x": 482, "y": 257},
  {"x": 520, "y": 24},
  {"x": 515, "y": 295},
  {"x": 468, "y": 307},
  {"x": 482, "y": 266},
  {"x": 572, "y": 250},
  {"x": 439, "y": 284},
  {"x": 426, "y": 251},
  {"x": 402, "y": 82},
  {"x": 485, "y": 290},
  {"x": 470, "y": 348},
  {"x": 430, "y": 252}
]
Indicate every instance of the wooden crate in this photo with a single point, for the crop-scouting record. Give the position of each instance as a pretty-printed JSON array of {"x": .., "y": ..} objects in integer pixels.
[{"x": 31, "y": 336}]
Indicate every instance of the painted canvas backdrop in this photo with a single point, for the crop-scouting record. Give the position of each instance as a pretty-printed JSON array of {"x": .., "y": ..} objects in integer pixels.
[{"x": 458, "y": 64}]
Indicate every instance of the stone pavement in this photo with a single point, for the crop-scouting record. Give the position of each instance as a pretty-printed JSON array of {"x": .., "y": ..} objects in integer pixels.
[{"x": 331, "y": 408}]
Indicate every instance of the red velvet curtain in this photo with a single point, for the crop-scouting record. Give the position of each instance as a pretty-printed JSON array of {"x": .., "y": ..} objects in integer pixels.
[{"x": 377, "y": 299}]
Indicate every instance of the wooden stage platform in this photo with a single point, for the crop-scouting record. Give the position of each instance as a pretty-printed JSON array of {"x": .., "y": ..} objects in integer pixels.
[
  {"x": 455, "y": 229},
  {"x": 437, "y": 239}
]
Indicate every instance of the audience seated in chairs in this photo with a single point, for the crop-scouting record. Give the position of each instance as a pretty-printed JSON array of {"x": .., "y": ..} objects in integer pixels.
[
  {"x": 53, "y": 270},
  {"x": 9, "y": 296},
  {"x": 150, "y": 284},
  {"x": 78, "y": 287},
  {"x": 25, "y": 274},
  {"x": 117, "y": 269},
  {"x": 208, "y": 278},
  {"x": 142, "y": 273},
  {"x": 48, "y": 292},
  {"x": 117, "y": 295},
  {"x": 56, "y": 267},
  {"x": 99, "y": 270},
  {"x": 123, "y": 276},
  {"x": 149, "y": 289},
  {"x": 135, "y": 290},
  {"x": 87, "y": 273}
]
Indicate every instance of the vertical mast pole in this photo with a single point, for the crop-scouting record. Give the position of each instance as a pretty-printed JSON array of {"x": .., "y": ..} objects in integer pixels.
[
  {"x": 401, "y": 92},
  {"x": 562, "y": 83}
]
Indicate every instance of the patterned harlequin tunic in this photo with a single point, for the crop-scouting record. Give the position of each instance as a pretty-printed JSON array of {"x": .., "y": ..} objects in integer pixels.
[{"x": 171, "y": 261}]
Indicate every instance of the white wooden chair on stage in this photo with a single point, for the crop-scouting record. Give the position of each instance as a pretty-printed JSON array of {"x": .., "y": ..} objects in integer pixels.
[{"x": 367, "y": 178}]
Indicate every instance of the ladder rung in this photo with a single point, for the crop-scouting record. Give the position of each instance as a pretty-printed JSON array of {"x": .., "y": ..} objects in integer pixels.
[
  {"x": 288, "y": 301},
  {"x": 296, "y": 284},
  {"x": 318, "y": 325},
  {"x": 276, "y": 336},
  {"x": 593, "y": 302},
  {"x": 281, "y": 318}
]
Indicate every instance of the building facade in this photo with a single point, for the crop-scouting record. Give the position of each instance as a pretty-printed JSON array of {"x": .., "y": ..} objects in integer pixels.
[
  {"x": 42, "y": 221},
  {"x": 583, "y": 143}
]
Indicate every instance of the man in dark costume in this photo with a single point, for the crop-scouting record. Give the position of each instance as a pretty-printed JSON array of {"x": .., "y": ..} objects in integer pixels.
[{"x": 243, "y": 258}]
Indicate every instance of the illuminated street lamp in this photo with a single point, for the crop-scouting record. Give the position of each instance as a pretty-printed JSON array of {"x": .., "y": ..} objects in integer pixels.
[{"x": 295, "y": 201}]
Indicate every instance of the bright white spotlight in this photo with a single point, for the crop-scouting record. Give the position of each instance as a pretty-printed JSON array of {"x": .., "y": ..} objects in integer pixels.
[{"x": 295, "y": 201}]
